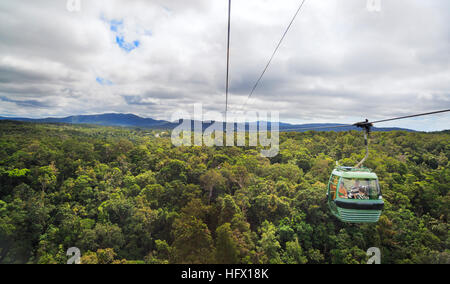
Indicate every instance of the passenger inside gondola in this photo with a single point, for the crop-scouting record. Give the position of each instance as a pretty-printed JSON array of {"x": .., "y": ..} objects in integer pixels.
[
  {"x": 343, "y": 193},
  {"x": 356, "y": 190}
]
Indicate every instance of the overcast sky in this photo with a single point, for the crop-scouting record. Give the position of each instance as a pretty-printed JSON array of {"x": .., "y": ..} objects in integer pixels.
[{"x": 339, "y": 63}]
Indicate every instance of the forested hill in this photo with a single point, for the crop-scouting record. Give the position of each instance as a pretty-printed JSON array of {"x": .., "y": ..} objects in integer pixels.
[
  {"x": 128, "y": 196},
  {"x": 107, "y": 119},
  {"x": 131, "y": 120}
]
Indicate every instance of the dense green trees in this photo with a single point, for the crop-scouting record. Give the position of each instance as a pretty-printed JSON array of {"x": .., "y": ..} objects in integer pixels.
[{"x": 127, "y": 196}]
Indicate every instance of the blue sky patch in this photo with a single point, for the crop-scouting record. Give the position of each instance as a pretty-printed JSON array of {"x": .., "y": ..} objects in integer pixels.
[
  {"x": 103, "y": 81},
  {"x": 127, "y": 46},
  {"x": 117, "y": 27}
]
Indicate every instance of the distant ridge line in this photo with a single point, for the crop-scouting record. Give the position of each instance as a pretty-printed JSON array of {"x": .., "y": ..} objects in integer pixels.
[{"x": 134, "y": 121}]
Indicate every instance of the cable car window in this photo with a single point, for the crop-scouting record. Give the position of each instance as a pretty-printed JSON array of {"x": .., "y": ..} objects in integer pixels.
[
  {"x": 335, "y": 180},
  {"x": 333, "y": 187},
  {"x": 363, "y": 189}
]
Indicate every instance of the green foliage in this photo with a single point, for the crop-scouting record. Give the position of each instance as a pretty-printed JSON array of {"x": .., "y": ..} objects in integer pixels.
[
  {"x": 193, "y": 243},
  {"x": 294, "y": 253},
  {"x": 227, "y": 251},
  {"x": 269, "y": 243},
  {"x": 17, "y": 173},
  {"x": 127, "y": 196}
]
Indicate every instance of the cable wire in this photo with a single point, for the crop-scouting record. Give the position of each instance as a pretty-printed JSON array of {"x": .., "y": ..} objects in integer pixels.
[
  {"x": 228, "y": 59},
  {"x": 359, "y": 124},
  {"x": 273, "y": 54},
  {"x": 410, "y": 116},
  {"x": 319, "y": 127}
]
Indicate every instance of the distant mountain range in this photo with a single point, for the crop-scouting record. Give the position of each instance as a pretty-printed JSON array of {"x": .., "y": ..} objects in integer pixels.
[
  {"x": 134, "y": 121},
  {"x": 107, "y": 119}
]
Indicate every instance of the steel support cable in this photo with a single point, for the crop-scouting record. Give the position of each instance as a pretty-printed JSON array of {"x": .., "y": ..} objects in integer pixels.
[
  {"x": 411, "y": 116},
  {"x": 228, "y": 59},
  {"x": 273, "y": 55},
  {"x": 367, "y": 123},
  {"x": 319, "y": 127}
]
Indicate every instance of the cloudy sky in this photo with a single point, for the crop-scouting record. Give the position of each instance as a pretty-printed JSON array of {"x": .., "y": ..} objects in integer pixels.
[{"x": 339, "y": 63}]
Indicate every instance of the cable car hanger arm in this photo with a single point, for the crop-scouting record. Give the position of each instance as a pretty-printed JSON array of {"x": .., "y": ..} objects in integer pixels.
[{"x": 366, "y": 125}]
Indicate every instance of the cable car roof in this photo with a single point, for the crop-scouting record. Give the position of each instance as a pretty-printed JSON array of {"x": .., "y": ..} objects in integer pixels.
[{"x": 353, "y": 173}]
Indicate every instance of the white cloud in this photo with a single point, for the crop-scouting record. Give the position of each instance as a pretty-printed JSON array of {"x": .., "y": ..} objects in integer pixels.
[{"x": 338, "y": 63}]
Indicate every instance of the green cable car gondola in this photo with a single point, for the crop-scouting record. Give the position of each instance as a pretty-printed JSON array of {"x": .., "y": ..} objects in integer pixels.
[{"x": 354, "y": 194}]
